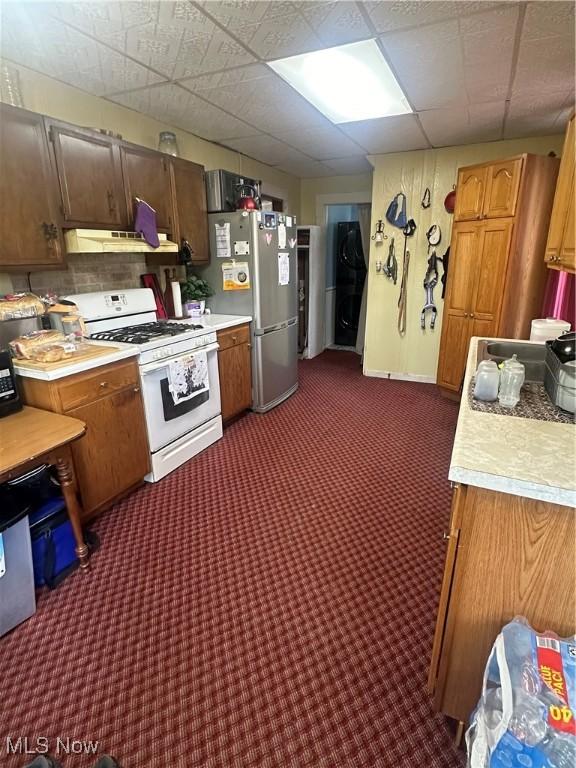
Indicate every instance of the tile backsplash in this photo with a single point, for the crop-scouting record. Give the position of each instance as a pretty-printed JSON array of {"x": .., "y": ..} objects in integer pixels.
[{"x": 87, "y": 272}]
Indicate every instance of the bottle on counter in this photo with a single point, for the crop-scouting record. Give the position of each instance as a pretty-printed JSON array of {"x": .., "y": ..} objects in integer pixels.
[
  {"x": 512, "y": 378},
  {"x": 486, "y": 381}
]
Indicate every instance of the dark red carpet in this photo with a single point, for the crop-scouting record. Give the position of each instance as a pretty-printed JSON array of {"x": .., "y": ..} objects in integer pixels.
[{"x": 270, "y": 604}]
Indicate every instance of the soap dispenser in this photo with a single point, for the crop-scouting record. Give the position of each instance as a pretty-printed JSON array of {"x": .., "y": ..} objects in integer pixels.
[{"x": 512, "y": 377}]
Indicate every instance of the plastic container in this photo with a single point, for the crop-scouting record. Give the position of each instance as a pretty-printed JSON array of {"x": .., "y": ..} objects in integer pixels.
[
  {"x": 547, "y": 328},
  {"x": 486, "y": 381},
  {"x": 512, "y": 377}
]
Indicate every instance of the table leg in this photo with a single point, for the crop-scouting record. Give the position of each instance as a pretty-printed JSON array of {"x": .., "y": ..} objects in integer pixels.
[{"x": 67, "y": 479}]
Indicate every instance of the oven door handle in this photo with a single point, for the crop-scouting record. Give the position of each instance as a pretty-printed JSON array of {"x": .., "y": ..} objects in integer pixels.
[{"x": 151, "y": 367}]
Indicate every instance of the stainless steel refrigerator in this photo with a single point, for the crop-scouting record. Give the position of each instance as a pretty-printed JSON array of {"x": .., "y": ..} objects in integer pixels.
[{"x": 253, "y": 270}]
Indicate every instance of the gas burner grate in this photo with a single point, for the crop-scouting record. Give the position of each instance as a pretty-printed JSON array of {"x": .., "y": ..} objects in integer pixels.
[{"x": 142, "y": 334}]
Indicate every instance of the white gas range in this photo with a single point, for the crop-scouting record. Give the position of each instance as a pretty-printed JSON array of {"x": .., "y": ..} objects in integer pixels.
[{"x": 177, "y": 431}]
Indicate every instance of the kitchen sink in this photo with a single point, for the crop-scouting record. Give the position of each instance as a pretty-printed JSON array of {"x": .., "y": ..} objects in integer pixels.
[{"x": 531, "y": 355}]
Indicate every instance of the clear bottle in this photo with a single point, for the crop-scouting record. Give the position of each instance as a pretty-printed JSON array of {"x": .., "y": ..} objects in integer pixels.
[
  {"x": 528, "y": 722},
  {"x": 167, "y": 143},
  {"x": 560, "y": 751},
  {"x": 486, "y": 381},
  {"x": 512, "y": 377}
]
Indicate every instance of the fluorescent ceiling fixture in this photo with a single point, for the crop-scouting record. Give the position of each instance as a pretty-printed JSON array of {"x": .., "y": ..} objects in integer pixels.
[{"x": 347, "y": 83}]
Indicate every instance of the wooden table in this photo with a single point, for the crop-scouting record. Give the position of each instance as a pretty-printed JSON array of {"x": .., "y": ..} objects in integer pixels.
[{"x": 32, "y": 437}]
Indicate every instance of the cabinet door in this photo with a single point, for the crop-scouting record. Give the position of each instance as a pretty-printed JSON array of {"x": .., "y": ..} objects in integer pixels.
[
  {"x": 30, "y": 234},
  {"x": 456, "y": 329},
  {"x": 234, "y": 369},
  {"x": 147, "y": 176},
  {"x": 452, "y": 538},
  {"x": 192, "y": 216},
  {"x": 567, "y": 259},
  {"x": 492, "y": 258},
  {"x": 503, "y": 183},
  {"x": 563, "y": 200},
  {"x": 113, "y": 455},
  {"x": 470, "y": 193},
  {"x": 90, "y": 177}
]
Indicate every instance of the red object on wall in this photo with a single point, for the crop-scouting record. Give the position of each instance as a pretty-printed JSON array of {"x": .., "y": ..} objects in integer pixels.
[{"x": 450, "y": 201}]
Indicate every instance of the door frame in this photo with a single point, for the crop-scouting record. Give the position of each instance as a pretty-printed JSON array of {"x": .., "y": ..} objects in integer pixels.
[{"x": 322, "y": 203}]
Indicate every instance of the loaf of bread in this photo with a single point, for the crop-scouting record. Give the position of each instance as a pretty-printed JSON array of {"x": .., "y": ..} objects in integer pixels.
[
  {"x": 16, "y": 306},
  {"x": 50, "y": 353},
  {"x": 23, "y": 347}
]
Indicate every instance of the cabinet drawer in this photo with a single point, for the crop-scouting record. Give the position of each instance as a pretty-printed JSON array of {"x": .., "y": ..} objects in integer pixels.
[
  {"x": 231, "y": 337},
  {"x": 89, "y": 386}
]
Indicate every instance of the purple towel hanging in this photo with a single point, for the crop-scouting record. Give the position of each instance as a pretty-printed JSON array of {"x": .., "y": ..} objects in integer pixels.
[{"x": 145, "y": 223}]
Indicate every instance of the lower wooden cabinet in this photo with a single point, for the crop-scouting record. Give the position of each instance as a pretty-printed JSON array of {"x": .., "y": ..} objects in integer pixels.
[
  {"x": 235, "y": 370},
  {"x": 506, "y": 556},
  {"x": 113, "y": 455}
]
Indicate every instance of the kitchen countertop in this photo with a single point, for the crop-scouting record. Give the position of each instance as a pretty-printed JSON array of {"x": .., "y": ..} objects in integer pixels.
[
  {"x": 122, "y": 351},
  {"x": 511, "y": 454}
]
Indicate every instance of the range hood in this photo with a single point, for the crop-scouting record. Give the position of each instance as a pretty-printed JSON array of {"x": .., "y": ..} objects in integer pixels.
[{"x": 109, "y": 241}]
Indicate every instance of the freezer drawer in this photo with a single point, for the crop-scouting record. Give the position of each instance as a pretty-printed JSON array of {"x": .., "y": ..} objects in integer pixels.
[{"x": 275, "y": 366}]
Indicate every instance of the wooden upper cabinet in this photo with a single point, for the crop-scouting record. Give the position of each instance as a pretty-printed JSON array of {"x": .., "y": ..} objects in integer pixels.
[
  {"x": 30, "y": 233},
  {"x": 560, "y": 245},
  {"x": 502, "y": 185},
  {"x": 147, "y": 176},
  {"x": 470, "y": 193},
  {"x": 90, "y": 177},
  {"x": 191, "y": 209}
]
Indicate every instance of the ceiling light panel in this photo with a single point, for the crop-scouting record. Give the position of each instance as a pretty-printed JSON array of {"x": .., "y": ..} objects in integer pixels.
[{"x": 348, "y": 83}]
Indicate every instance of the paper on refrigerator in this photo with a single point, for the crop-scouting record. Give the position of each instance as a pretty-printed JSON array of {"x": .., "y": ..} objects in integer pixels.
[
  {"x": 281, "y": 235},
  {"x": 235, "y": 276},
  {"x": 283, "y": 268},
  {"x": 222, "y": 231}
]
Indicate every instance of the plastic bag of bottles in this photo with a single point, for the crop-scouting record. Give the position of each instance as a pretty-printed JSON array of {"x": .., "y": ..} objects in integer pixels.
[{"x": 526, "y": 715}]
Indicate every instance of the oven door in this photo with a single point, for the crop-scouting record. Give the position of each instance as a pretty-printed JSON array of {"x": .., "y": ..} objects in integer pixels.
[{"x": 167, "y": 421}]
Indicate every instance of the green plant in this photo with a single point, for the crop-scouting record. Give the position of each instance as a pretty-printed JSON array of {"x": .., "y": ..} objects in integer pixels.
[{"x": 195, "y": 289}]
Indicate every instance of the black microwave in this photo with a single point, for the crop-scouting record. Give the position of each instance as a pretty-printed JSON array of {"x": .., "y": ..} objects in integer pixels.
[{"x": 10, "y": 401}]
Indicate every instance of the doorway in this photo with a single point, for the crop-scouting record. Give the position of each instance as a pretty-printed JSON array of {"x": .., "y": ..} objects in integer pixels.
[{"x": 347, "y": 229}]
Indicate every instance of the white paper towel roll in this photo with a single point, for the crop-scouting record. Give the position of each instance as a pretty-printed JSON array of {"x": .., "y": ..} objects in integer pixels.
[
  {"x": 177, "y": 298},
  {"x": 547, "y": 328}
]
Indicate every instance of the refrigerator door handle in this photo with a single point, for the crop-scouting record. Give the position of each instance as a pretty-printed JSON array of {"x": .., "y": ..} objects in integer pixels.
[{"x": 277, "y": 327}]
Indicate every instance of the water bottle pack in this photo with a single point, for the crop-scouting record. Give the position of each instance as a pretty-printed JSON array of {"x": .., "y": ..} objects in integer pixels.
[{"x": 525, "y": 717}]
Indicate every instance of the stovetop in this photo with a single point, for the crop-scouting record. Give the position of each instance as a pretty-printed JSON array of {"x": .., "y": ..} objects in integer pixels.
[{"x": 146, "y": 332}]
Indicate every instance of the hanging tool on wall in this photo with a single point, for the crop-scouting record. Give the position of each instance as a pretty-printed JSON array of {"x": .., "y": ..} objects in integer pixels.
[
  {"x": 407, "y": 231},
  {"x": 445, "y": 260},
  {"x": 391, "y": 266},
  {"x": 430, "y": 281},
  {"x": 426, "y": 198}
]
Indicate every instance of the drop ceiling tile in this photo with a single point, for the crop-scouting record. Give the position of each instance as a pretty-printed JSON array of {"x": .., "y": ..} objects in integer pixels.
[
  {"x": 101, "y": 17},
  {"x": 227, "y": 77},
  {"x": 545, "y": 65},
  {"x": 529, "y": 115},
  {"x": 49, "y": 46},
  {"x": 267, "y": 149},
  {"x": 429, "y": 65},
  {"x": 322, "y": 143},
  {"x": 336, "y": 23},
  {"x": 275, "y": 38},
  {"x": 306, "y": 169},
  {"x": 348, "y": 165},
  {"x": 176, "y": 106},
  {"x": 464, "y": 125},
  {"x": 268, "y": 103},
  {"x": 388, "y": 15},
  {"x": 387, "y": 134},
  {"x": 548, "y": 19},
  {"x": 231, "y": 12}
]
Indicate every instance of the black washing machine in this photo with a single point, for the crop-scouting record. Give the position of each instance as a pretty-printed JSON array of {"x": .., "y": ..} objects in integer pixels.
[{"x": 350, "y": 277}]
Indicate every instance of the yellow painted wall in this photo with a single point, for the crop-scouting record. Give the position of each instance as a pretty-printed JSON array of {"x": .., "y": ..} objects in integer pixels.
[
  {"x": 416, "y": 353},
  {"x": 50, "y": 97},
  {"x": 310, "y": 189}
]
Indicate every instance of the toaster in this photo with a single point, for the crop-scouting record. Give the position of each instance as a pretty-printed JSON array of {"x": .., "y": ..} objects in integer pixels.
[{"x": 560, "y": 371}]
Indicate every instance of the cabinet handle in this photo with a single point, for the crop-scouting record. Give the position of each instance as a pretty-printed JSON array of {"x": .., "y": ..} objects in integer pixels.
[
  {"x": 471, "y": 314},
  {"x": 111, "y": 201},
  {"x": 445, "y": 536},
  {"x": 103, "y": 384},
  {"x": 50, "y": 231},
  {"x": 234, "y": 339},
  {"x": 136, "y": 389},
  {"x": 249, "y": 346}
]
